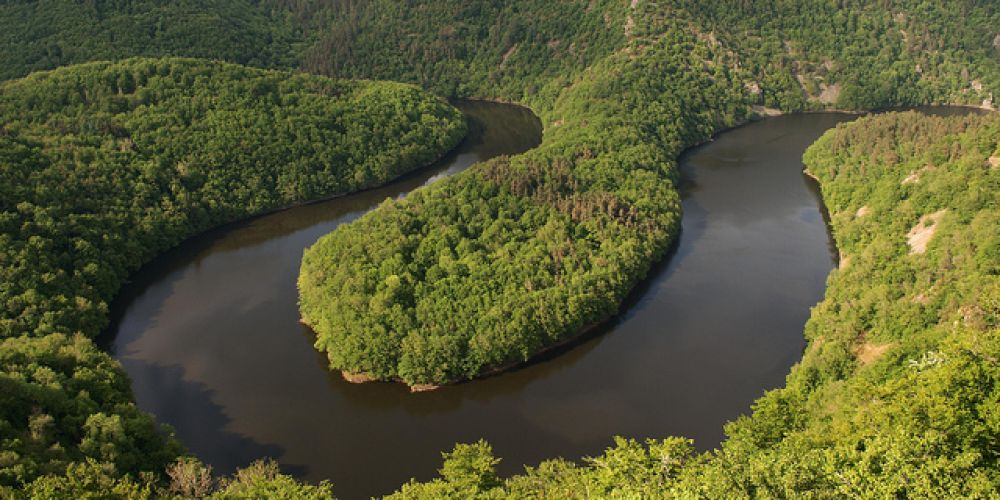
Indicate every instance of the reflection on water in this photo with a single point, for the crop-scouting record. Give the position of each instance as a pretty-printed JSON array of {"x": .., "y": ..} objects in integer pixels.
[{"x": 209, "y": 332}]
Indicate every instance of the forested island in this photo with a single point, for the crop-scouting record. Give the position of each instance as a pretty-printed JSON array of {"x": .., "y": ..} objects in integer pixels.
[{"x": 107, "y": 164}]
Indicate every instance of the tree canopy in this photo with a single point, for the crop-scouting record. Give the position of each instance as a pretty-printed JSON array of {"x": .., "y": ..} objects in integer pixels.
[
  {"x": 898, "y": 391},
  {"x": 493, "y": 266},
  {"x": 104, "y": 165}
]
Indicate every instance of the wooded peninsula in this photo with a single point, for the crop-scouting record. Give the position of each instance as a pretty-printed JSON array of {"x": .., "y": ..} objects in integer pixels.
[{"x": 177, "y": 128}]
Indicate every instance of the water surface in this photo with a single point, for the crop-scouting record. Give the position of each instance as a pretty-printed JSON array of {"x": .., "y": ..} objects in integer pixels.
[{"x": 209, "y": 332}]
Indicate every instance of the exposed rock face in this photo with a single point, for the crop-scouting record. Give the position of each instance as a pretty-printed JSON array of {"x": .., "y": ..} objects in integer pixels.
[
  {"x": 914, "y": 177},
  {"x": 829, "y": 93},
  {"x": 921, "y": 234},
  {"x": 845, "y": 260},
  {"x": 765, "y": 111},
  {"x": 868, "y": 353},
  {"x": 356, "y": 378}
]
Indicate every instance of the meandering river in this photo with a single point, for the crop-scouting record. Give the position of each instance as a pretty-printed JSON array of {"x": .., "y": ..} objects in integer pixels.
[{"x": 209, "y": 332}]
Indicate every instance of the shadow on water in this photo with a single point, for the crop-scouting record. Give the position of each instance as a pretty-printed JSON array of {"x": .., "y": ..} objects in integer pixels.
[
  {"x": 195, "y": 328},
  {"x": 210, "y": 442},
  {"x": 210, "y": 337},
  {"x": 813, "y": 186}
]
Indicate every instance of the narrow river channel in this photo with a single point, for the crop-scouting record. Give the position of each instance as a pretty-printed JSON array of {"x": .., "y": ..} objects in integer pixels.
[{"x": 209, "y": 332}]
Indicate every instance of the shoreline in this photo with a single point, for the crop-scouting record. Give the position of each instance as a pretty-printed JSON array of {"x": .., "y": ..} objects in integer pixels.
[
  {"x": 322, "y": 199},
  {"x": 588, "y": 330},
  {"x": 104, "y": 334},
  {"x": 364, "y": 378}
]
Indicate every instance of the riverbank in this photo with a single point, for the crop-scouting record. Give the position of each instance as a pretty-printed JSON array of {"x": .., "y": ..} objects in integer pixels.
[{"x": 687, "y": 322}]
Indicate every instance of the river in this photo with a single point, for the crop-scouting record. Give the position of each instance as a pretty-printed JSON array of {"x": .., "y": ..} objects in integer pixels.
[{"x": 210, "y": 338}]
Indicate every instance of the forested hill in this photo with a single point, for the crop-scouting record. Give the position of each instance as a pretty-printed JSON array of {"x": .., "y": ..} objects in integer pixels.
[
  {"x": 851, "y": 54},
  {"x": 94, "y": 182},
  {"x": 490, "y": 266},
  {"x": 37, "y": 35},
  {"x": 104, "y": 165},
  {"x": 793, "y": 54},
  {"x": 110, "y": 163},
  {"x": 487, "y": 269},
  {"x": 898, "y": 391}
]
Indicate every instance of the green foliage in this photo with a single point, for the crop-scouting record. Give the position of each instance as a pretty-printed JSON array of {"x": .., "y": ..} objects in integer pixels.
[
  {"x": 88, "y": 480},
  {"x": 44, "y": 35},
  {"x": 469, "y": 471},
  {"x": 510, "y": 50},
  {"x": 64, "y": 402},
  {"x": 863, "y": 54},
  {"x": 910, "y": 408},
  {"x": 471, "y": 467},
  {"x": 797, "y": 54},
  {"x": 263, "y": 480},
  {"x": 629, "y": 469},
  {"x": 108, "y": 164},
  {"x": 188, "y": 479},
  {"x": 104, "y": 165},
  {"x": 486, "y": 268},
  {"x": 896, "y": 395},
  {"x": 800, "y": 54}
]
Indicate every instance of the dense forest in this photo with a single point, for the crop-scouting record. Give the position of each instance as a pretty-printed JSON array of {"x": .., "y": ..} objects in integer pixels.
[
  {"x": 792, "y": 54},
  {"x": 107, "y": 164},
  {"x": 898, "y": 392},
  {"x": 489, "y": 268},
  {"x": 263, "y": 33},
  {"x": 797, "y": 54}
]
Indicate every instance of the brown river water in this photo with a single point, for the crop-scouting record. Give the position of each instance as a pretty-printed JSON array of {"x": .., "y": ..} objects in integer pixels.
[{"x": 209, "y": 331}]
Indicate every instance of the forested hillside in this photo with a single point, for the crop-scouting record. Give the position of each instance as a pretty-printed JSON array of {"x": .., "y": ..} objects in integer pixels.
[
  {"x": 486, "y": 270},
  {"x": 792, "y": 54},
  {"x": 797, "y": 53},
  {"x": 105, "y": 165},
  {"x": 42, "y": 35},
  {"x": 898, "y": 393},
  {"x": 859, "y": 54}
]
